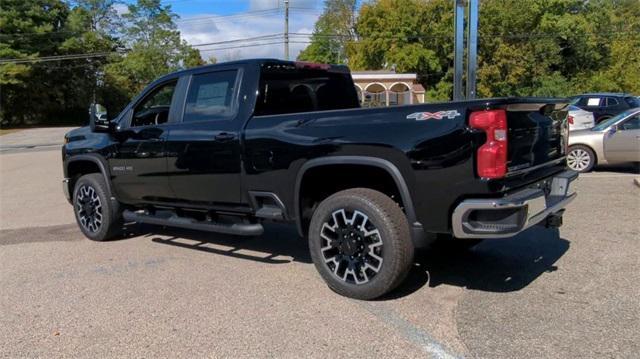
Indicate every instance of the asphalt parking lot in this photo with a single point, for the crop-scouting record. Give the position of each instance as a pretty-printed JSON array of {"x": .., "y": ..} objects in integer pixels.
[{"x": 543, "y": 294}]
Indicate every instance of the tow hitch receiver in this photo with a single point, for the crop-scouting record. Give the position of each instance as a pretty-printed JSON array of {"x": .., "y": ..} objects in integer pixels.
[{"x": 554, "y": 220}]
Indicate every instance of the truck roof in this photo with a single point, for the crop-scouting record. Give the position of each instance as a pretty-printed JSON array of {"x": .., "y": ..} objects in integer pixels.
[{"x": 257, "y": 61}]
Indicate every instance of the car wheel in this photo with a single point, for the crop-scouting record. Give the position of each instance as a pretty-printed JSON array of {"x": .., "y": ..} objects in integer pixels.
[
  {"x": 98, "y": 217},
  {"x": 581, "y": 158},
  {"x": 602, "y": 118},
  {"x": 360, "y": 243}
]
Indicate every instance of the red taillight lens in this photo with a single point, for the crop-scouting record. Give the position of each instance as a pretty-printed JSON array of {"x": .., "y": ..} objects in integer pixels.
[
  {"x": 570, "y": 119},
  {"x": 492, "y": 155}
]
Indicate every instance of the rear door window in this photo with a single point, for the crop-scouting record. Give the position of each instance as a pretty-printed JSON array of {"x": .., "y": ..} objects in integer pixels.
[
  {"x": 611, "y": 101},
  {"x": 287, "y": 88},
  {"x": 210, "y": 96}
]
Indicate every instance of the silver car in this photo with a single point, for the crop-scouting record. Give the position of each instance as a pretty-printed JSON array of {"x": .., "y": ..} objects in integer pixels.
[
  {"x": 616, "y": 140},
  {"x": 580, "y": 119}
]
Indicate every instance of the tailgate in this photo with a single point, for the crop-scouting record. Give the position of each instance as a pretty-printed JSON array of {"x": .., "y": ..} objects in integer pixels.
[{"x": 537, "y": 134}]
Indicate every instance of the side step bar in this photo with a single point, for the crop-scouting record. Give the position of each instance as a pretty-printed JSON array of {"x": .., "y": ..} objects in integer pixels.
[{"x": 170, "y": 219}]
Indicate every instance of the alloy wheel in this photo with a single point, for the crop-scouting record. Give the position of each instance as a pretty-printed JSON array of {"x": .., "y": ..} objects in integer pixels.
[
  {"x": 89, "y": 208},
  {"x": 578, "y": 159},
  {"x": 351, "y": 246}
]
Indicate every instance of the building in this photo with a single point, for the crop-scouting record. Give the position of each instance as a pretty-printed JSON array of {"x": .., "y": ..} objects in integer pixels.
[{"x": 387, "y": 88}]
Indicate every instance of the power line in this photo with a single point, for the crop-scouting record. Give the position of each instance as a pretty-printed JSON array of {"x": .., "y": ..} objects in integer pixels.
[{"x": 57, "y": 58}]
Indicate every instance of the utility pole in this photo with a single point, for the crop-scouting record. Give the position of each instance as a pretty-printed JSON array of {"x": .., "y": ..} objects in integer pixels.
[
  {"x": 458, "y": 55},
  {"x": 286, "y": 29},
  {"x": 472, "y": 51}
]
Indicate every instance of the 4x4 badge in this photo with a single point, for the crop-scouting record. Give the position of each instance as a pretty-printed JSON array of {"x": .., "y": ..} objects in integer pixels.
[{"x": 421, "y": 116}]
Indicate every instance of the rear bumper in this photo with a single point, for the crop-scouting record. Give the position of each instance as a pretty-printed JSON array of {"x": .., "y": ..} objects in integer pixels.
[{"x": 510, "y": 215}]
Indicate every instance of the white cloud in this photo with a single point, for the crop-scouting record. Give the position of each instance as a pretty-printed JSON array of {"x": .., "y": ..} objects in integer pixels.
[
  {"x": 120, "y": 9},
  {"x": 225, "y": 29}
]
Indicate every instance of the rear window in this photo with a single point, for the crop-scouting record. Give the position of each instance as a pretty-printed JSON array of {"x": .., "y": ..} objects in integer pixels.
[
  {"x": 633, "y": 101},
  {"x": 285, "y": 88}
]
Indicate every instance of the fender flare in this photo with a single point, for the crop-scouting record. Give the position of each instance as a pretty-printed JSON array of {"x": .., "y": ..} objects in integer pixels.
[
  {"x": 98, "y": 160},
  {"x": 386, "y": 165}
]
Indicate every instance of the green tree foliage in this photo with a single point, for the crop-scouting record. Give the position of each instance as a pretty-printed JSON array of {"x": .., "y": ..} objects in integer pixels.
[
  {"x": 526, "y": 47},
  {"x": 332, "y": 32},
  {"x": 142, "y": 45}
]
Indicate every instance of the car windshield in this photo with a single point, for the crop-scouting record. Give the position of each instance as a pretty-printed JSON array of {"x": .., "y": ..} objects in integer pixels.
[{"x": 604, "y": 124}]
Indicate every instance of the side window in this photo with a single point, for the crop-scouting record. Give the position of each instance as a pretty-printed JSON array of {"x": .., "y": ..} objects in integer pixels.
[
  {"x": 154, "y": 109},
  {"x": 632, "y": 123},
  {"x": 612, "y": 101},
  {"x": 210, "y": 96}
]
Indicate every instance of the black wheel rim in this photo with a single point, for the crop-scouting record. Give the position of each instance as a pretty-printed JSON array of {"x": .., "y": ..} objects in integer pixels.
[
  {"x": 351, "y": 246},
  {"x": 89, "y": 208}
]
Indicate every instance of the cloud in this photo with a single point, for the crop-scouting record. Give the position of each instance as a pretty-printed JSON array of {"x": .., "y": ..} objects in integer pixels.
[
  {"x": 121, "y": 9},
  {"x": 214, "y": 30}
]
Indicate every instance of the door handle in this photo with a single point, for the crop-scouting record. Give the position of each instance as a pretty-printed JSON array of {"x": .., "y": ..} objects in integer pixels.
[{"x": 224, "y": 136}]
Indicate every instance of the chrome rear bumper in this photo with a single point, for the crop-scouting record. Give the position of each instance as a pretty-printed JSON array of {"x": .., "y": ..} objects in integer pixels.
[{"x": 512, "y": 214}]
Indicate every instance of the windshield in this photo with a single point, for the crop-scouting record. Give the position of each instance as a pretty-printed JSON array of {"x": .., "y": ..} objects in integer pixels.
[{"x": 604, "y": 124}]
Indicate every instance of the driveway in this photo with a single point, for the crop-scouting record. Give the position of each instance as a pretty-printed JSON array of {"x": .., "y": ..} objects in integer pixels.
[{"x": 160, "y": 292}]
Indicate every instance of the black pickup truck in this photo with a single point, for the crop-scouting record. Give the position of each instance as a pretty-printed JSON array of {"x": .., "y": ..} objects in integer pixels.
[{"x": 226, "y": 147}]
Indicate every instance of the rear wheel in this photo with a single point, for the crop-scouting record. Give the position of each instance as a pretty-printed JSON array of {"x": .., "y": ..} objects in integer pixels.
[
  {"x": 98, "y": 217},
  {"x": 581, "y": 158},
  {"x": 360, "y": 243}
]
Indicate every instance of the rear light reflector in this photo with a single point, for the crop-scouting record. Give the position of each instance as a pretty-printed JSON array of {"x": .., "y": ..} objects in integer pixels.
[
  {"x": 492, "y": 155},
  {"x": 570, "y": 119}
]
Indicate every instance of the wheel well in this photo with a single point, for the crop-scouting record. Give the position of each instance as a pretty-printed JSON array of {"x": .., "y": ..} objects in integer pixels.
[
  {"x": 320, "y": 182},
  {"x": 79, "y": 168}
]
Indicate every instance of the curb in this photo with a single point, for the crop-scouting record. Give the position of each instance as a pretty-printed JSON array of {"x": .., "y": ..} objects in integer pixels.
[{"x": 637, "y": 181}]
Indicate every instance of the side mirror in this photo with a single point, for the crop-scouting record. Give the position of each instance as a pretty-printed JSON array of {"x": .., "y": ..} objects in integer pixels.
[{"x": 98, "y": 120}]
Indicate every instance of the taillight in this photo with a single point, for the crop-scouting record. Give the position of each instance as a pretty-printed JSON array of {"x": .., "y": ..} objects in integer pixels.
[
  {"x": 492, "y": 155},
  {"x": 570, "y": 119}
]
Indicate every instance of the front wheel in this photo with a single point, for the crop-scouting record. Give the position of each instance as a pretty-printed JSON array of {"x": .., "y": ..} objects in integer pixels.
[
  {"x": 98, "y": 217},
  {"x": 581, "y": 158},
  {"x": 360, "y": 243}
]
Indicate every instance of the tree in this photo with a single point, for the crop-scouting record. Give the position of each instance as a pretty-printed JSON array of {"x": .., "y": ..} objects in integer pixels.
[
  {"x": 407, "y": 35},
  {"x": 28, "y": 29},
  {"x": 154, "y": 47},
  {"x": 333, "y": 30},
  {"x": 536, "y": 47}
]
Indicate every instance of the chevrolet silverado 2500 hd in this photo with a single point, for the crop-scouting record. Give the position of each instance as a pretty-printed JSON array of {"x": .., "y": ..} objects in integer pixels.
[{"x": 223, "y": 148}]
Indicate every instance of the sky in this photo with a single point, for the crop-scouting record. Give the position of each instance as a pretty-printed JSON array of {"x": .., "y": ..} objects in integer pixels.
[{"x": 214, "y": 21}]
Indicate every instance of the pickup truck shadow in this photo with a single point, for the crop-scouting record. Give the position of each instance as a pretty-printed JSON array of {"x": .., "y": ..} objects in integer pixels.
[
  {"x": 278, "y": 245},
  {"x": 495, "y": 265}
]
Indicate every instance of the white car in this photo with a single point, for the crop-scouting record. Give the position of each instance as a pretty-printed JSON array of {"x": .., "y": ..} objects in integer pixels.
[{"x": 580, "y": 119}]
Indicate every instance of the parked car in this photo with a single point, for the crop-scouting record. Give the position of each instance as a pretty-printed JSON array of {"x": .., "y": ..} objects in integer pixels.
[
  {"x": 605, "y": 105},
  {"x": 616, "y": 140},
  {"x": 223, "y": 148},
  {"x": 579, "y": 119}
]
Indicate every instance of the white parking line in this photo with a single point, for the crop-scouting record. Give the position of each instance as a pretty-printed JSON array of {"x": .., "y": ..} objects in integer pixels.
[{"x": 608, "y": 175}]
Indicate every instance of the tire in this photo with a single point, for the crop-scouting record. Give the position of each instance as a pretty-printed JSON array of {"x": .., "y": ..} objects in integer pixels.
[
  {"x": 602, "y": 118},
  {"x": 361, "y": 263},
  {"x": 98, "y": 217},
  {"x": 581, "y": 158}
]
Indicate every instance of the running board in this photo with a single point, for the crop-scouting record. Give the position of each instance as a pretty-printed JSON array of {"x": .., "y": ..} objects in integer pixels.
[{"x": 170, "y": 219}]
